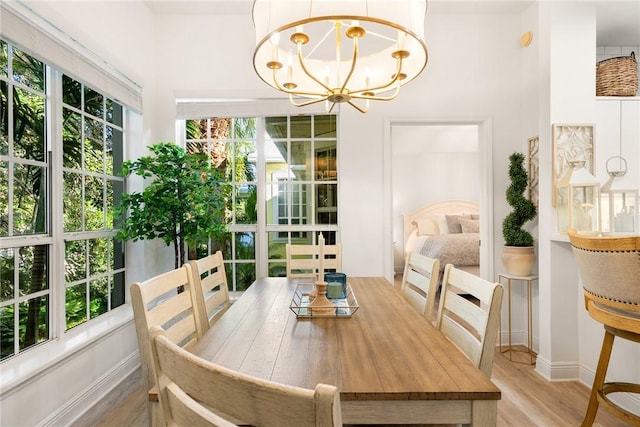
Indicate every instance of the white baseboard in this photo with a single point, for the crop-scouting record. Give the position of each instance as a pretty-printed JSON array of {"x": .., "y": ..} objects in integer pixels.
[
  {"x": 92, "y": 394},
  {"x": 557, "y": 371}
]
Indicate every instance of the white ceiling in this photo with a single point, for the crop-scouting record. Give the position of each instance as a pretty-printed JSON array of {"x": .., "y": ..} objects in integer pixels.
[{"x": 618, "y": 21}]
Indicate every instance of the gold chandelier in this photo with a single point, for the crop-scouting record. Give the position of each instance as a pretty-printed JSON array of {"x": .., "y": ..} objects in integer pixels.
[{"x": 337, "y": 51}]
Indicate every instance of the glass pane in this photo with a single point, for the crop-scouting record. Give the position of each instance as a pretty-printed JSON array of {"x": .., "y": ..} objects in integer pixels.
[
  {"x": 325, "y": 126},
  {"x": 196, "y": 129},
  {"x": 277, "y": 242},
  {"x": 93, "y": 149},
  {"x": 99, "y": 297},
  {"x": 117, "y": 254},
  {"x": 4, "y": 59},
  {"x": 75, "y": 261},
  {"x": 33, "y": 265},
  {"x": 245, "y": 207},
  {"x": 28, "y": 125},
  {"x": 93, "y": 203},
  {"x": 93, "y": 102},
  {"x": 327, "y": 203},
  {"x": 29, "y": 199},
  {"x": 6, "y": 274},
  {"x": 276, "y": 206},
  {"x": 7, "y": 337},
  {"x": 326, "y": 166},
  {"x": 4, "y": 199},
  {"x": 277, "y": 269},
  {"x": 245, "y": 128},
  {"x": 34, "y": 321},
  {"x": 72, "y": 200},
  {"x": 4, "y": 117},
  {"x": 277, "y": 158},
  {"x": 245, "y": 245},
  {"x": 113, "y": 151},
  {"x": 76, "y": 305},
  {"x": 245, "y": 275},
  {"x": 114, "y": 112},
  {"x": 222, "y": 244},
  {"x": 301, "y": 127},
  {"x": 97, "y": 256},
  {"x": 245, "y": 157},
  {"x": 71, "y": 139},
  {"x": 117, "y": 290},
  {"x": 28, "y": 70},
  {"x": 301, "y": 160},
  {"x": 117, "y": 190},
  {"x": 71, "y": 92},
  {"x": 276, "y": 127},
  {"x": 109, "y": 204}
]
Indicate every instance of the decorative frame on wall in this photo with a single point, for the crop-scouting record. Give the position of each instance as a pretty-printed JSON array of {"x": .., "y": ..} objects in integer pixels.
[
  {"x": 571, "y": 142},
  {"x": 534, "y": 168}
]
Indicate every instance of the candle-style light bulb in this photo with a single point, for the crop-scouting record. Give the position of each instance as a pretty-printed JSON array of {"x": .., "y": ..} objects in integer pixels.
[
  {"x": 401, "y": 36},
  {"x": 275, "y": 40},
  {"x": 290, "y": 67}
]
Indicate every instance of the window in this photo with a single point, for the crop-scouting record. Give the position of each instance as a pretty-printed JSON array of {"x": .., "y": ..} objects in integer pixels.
[
  {"x": 284, "y": 172},
  {"x": 59, "y": 183}
]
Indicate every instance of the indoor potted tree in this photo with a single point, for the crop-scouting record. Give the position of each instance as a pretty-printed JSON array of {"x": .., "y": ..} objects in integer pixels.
[
  {"x": 518, "y": 255},
  {"x": 184, "y": 202}
]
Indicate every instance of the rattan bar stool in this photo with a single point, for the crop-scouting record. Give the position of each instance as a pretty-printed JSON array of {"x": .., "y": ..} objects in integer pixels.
[{"x": 610, "y": 270}]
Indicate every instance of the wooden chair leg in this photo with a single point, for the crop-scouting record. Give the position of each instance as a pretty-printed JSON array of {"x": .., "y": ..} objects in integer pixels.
[{"x": 598, "y": 381}]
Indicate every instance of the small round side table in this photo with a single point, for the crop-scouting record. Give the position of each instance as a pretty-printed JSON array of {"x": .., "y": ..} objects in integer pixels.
[{"x": 508, "y": 351}]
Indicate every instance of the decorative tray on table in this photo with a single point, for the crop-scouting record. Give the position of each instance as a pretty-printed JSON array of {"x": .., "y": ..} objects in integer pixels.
[{"x": 341, "y": 307}]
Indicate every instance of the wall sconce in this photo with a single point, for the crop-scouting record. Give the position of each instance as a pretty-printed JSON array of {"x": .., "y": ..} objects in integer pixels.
[
  {"x": 618, "y": 201},
  {"x": 578, "y": 200}
]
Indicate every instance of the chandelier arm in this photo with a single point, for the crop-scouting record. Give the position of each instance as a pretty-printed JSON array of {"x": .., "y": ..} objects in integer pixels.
[
  {"x": 306, "y": 71},
  {"x": 353, "y": 64},
  {"x": 384, "y": 86},
  {"x": 304, "y": 104},
  {"x": 293, "y": 91},
  {"x": 357, "y": 107},
  {"x": 379, "y": 98}
]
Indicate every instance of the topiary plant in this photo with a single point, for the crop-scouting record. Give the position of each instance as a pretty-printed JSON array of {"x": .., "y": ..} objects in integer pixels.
[{"x": 523, "y": 209}]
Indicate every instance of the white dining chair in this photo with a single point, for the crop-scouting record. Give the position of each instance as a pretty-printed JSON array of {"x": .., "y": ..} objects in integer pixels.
[
  {"x": 469, "y": 315},
  {"x": 420, "y": 283},
  {"x": 210, "y": 289},
  {"x": 196, "y": 392},
  {"x": 165, "y": 300},
  {"x": 303, "y": 260}
]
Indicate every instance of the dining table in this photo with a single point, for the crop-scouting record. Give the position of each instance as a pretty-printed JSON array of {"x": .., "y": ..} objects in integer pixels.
[{"x": 390, "y": 365}]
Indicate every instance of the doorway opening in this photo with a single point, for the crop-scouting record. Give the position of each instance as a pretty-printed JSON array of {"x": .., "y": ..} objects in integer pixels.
[{"x": 432, "y": 160}]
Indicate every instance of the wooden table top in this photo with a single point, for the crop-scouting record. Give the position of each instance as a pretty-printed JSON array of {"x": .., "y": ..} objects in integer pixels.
[{"x": 386, "y": 351}]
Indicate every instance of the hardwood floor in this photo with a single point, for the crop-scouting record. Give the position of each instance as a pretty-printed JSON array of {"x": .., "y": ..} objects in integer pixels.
[{"x": 527, "y": 400}]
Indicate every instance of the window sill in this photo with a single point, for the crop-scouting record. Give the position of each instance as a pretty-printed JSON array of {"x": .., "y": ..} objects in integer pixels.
[{"x": 23, "y": 367}]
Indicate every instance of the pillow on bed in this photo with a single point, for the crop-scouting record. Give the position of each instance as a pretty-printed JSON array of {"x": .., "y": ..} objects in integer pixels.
[
  {"x": 469, "y": 225},
  {"x": 475, "y": 216},
  {"x": 453, "y": 223},
  {"x": 426, "y": 227}
]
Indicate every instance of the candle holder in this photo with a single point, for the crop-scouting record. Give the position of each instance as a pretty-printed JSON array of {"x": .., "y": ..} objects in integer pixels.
[{"x": 321, "y": 304}]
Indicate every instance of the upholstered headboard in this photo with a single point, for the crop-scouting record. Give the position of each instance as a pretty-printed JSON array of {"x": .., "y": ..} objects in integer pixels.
[{"x": 434, "y": 209}]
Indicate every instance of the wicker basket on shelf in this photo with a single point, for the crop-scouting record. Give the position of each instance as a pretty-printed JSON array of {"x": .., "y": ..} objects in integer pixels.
[{"x": 617, "y": 76}]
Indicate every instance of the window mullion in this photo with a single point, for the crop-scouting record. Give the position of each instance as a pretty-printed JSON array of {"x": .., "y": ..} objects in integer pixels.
[{"x": 55, "y": 144}]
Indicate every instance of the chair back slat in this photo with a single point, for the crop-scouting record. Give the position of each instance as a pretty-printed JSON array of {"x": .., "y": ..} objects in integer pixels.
[
  {"x": 189, "y": 384},
  {"x": 210, "y": 286},
  {"x": 469, "y": 315},
  {"x": 165, "y": 300},
  {"x": 420, "y": 282}
]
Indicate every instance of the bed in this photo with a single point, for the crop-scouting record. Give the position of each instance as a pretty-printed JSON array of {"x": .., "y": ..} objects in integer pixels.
[{"x": 447, "y": 230}]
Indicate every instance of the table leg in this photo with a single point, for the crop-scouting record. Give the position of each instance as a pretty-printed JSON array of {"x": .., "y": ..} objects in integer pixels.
[{"x": 484, "y": 413}]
